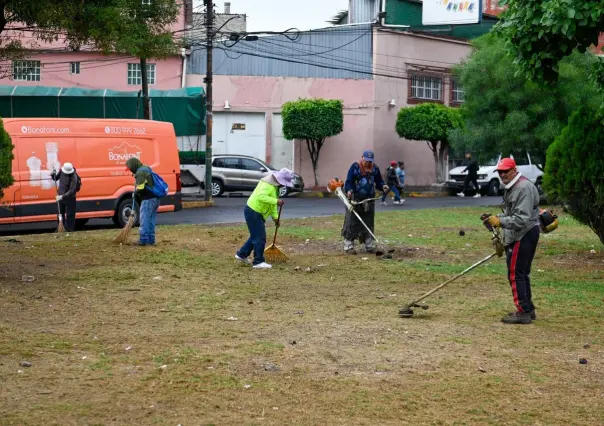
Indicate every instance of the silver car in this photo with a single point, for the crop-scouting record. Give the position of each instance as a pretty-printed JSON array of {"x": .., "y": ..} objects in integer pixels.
[{"x": 242, "y": 173}]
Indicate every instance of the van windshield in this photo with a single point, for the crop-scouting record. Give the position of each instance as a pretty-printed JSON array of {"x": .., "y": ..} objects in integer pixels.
[{"x": 491, "y": 162}]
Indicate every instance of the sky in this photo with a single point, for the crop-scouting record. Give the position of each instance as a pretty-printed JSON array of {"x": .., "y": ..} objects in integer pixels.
[{"x": 279, "y": 15}]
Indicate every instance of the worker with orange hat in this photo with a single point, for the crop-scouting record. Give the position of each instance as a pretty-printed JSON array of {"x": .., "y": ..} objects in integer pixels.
[{"x": 520, "y": 224}]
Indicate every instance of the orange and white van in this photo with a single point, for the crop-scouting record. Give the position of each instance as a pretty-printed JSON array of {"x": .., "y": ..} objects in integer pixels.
[{"x": 98, "y": 149}]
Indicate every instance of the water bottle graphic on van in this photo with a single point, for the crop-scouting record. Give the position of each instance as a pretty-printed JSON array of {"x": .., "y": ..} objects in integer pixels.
[
  {"x": 35, "y": 170},
  {"x": 52, "y": 163}
]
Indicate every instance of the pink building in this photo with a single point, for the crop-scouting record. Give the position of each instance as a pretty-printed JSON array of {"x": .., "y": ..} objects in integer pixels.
[{"x": 54, "y": 64}]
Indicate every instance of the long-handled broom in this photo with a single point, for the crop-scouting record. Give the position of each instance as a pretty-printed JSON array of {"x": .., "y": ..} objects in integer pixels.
[
  {"x": 273, "y": 253},
  {"x": 61, "y": 227},
  {"x": 125, "y": 232}
]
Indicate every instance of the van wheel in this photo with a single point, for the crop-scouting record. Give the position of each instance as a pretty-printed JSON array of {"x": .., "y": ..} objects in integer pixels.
[
  {"x": 493, "y": 189},
  {"x": 217, "y": 188},
  {"x": 80, "y": 224},
  {"x": 283, "y": 191},
  {"x": 539, "y": 186},
  {"x": 123, "y": 213}
]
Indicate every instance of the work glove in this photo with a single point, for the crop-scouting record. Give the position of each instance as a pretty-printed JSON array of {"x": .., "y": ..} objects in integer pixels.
[
  {"x": 277, "y": 222},
  {"x": 386, "y": 188},
  {"x": 494, "y": 221},
  {"x": 349, "y": 195},
  {"x": 280, "y": 202},
  {"x": 59, "y": 197}
]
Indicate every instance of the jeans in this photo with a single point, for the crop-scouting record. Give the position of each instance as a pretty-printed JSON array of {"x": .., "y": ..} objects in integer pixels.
[
  {"x": 257, "y": 239},
  {"x": 67, "y": 208},
  {"x": 148, "y": 212},
  {"x": 397, "y": 195}
]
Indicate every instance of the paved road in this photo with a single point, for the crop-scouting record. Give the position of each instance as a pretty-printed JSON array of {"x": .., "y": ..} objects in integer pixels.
[{"x": 230, "y": 210}]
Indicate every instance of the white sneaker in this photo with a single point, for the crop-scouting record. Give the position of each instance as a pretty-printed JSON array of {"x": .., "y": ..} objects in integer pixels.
[
  {"x": 401, "y": 202},
  {"x": 262, "y": 265},
  {"x": 397, "y": 203},
  {"x": 383, "y": 203},
  {"x": 461, "y": 194},
  {"x": 477, "y": 196},
  {"x": 242, "y": 260}
]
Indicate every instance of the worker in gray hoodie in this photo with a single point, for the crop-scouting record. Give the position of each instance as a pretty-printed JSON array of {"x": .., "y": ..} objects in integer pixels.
[
  {"x": 66, "y": 194},
  {"x": 520, "y": 224}
]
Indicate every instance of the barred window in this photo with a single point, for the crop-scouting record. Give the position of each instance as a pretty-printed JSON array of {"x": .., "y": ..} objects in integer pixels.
[
  {"x": 135, "y": 76},
  {"x": 457, "y": 92},
  {"x": 26, "y": 70},
  {"x": 423, "y": 87},
  {"x": 74, "y": 68}
]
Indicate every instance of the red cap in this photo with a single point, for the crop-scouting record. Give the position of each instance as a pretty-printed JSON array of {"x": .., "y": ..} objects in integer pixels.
[
  {"x": 393, "y": 163},
  {"x": 506, "y": 164}
]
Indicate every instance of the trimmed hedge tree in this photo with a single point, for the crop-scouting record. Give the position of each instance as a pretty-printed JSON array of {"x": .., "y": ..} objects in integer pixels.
[
  {"x": 574, "y": 174},
  {"x": 430, "y": 123},
  {"x": 312, "y": 120},
  {"x": 6, "y": 160}
]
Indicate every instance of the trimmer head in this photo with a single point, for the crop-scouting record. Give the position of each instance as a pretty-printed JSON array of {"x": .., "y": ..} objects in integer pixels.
[{"x": 407, "y": 312}]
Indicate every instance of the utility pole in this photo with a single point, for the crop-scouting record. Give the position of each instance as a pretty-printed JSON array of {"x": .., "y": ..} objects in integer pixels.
[
  {"x": 209, "y": 47},
  {"x": 146, "y": 111}
]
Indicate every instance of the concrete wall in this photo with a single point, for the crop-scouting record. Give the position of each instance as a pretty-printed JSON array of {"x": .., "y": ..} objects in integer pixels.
[
  {"x": 268, "y": 94},
  {"x": 394, "y": 54}
]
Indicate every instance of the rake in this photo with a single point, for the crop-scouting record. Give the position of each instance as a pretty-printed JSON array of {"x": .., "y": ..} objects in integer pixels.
[
  {"x": 125, "y": 232},
  {"x": 273, "y": 253},
  {"x": 61, "y": 227}
]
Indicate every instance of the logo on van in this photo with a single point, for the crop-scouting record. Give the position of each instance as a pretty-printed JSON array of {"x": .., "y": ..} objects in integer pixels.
[
  {"x": 43, "y": 130},
  {"x": 123, "y": 152}
]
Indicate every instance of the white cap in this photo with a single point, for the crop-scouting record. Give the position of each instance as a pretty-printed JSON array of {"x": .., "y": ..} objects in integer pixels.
[{"x": 67, "y": 168}]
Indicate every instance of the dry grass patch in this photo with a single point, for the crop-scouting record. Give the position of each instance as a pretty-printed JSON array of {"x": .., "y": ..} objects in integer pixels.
[{"x": 181, "y": 334}]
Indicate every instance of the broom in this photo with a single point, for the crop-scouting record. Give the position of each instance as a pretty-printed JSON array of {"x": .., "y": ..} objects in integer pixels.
[
  {"x": 125, "y": 232},
  {"x": 61, "y": 227},
  {"x": 272, "y": 253}
]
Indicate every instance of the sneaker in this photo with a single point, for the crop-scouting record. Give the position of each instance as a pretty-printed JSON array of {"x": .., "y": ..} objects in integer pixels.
[
  {"x": 461, "y": 194},
  {"x": 262, "y": 265},
  {"x": 477, "y": 196},
  {"x": 401, "y": 202},
  {"x": 383, "y": 203},
  {"x": 397, "y": 203},
  {"x": 517, "y": 318},
  {"x": 243, "y": 260},
  {"x": 533, "y": 315}
]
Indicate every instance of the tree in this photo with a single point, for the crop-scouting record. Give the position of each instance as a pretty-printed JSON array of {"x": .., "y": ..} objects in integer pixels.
[
  {"x": 505, "y": 113},
  {"x": 432, "y": 123},
  {"x": 6, "y": 160},
  {"x": 574, "y": 173},
  {"x": 312, "y": 120},
  {"x": 543, "y": 32}
]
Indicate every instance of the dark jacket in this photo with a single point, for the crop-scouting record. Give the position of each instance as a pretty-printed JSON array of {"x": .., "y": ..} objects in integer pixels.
[
  {"x": 143, "y": 180},
  {"x": 521, "y": 210},
  {"x": 67, "y": 184},
  {"x": 363, "y": 185},
  {"x": 391, "y": 177},
  {"x": 472, "y": 167}
]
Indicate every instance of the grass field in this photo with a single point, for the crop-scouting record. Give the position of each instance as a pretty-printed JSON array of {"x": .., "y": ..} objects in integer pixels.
[{"x": 181, "y": 334}]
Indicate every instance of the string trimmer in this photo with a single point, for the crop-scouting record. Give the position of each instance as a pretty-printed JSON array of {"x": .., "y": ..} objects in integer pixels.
[
  {"x": 335, "y": 185},
  {"x": 407, "y": 311}
]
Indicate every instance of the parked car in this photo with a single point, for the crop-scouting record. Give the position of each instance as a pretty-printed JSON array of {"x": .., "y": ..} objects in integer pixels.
[
  {"x": 232, "y": 172},
  {"x": 99, "y": 150},
  {"x": 488, "y": 178}
]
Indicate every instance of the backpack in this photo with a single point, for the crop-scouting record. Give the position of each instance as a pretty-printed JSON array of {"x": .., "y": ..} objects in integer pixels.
[
  {"x": 160, "y": 187},
  {"x": 78, "y": 182},
  {"x": 391, "y": 174}
]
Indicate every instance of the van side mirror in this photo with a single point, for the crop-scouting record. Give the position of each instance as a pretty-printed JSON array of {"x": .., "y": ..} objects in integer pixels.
[{"x": 262, "y": 169}]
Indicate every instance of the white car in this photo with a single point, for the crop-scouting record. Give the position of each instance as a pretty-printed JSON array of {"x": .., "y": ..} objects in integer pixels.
[{"x": 488, "y": 178}]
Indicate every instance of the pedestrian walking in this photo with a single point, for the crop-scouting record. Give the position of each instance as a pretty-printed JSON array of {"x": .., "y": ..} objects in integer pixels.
[
  {"x": 68, "y": 187},
  {"x": 393, "y": 183},
  {"x": 520, "y": 224},
  {"x": 144, "y": 197},
  {"x": 400, "y": 172},
  {"x": 262, "y": 203},
  {"x": 362, "y": 180},
  {"x": 472, "y": 168}
]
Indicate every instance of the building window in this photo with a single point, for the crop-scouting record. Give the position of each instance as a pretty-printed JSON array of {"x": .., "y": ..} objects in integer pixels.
[
  {"x": 26, "y": 70},
  {"x": 457, "y": 92},
  {"x": 147, "y": 2},
  {"x": 424, "y": 87},
  {"x": 135, "y": 76},
  {"x": 74, "y": 68}
]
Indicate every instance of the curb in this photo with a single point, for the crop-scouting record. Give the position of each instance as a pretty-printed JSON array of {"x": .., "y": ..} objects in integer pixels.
[
  {"x": 413, "y": 194},
  {"x": 197, "y": 204}
]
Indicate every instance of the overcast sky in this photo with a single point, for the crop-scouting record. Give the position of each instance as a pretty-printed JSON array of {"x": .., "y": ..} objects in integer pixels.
[{"x": 279, "y": 15}]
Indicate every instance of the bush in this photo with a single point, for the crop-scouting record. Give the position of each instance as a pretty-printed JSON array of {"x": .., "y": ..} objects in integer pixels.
[
  {"x": 574, "y": 174},
  {"x": 6, "y": 160}
]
